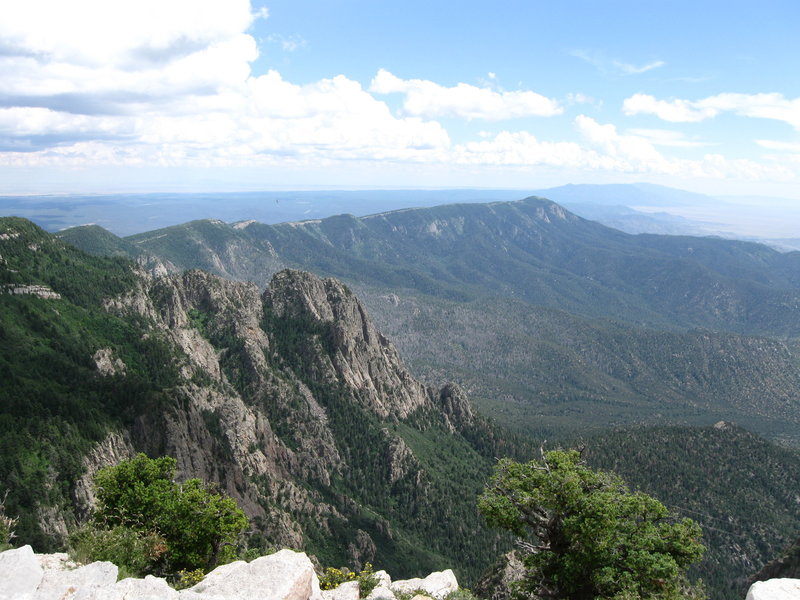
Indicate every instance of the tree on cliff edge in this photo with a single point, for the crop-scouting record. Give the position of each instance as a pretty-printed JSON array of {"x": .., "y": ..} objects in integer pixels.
[
  {"x": 585, "y": 535},
  {"x": 199, "y": 527}
]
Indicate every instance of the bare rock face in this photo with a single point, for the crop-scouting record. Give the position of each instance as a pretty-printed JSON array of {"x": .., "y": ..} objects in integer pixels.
[
  {"x": 115, "y": 448},
  {"x": 359, "y": 354},
  {"x": 455, "y": 406},
  {"x": 382, "y": 591},
  {"x": 362, "y": 549},
  {"x": 20, "y": 573},
  {"x": 346, "y": 591},
  {"x": 399, "y": 458},
  {"x": 89, "y": 579},
  {"x": 258, "y": 416},
  {"x": 149, "y": 588},
  {"x": 106, "y": 363}
]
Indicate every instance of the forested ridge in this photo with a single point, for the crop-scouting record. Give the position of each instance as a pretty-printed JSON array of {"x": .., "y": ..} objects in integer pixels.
[
  {"x": 349, "y": 484},
  {"x": 55, "y": 405},
  {"x": 740, "y": 488},
  {"x": 406, "y": 485},
  {"x": 549, "y": 320}
]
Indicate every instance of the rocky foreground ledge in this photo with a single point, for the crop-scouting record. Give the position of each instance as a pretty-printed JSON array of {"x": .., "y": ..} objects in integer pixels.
[
  {"x": 285, "y": 575},
  {"x": 775, "y": 589}
]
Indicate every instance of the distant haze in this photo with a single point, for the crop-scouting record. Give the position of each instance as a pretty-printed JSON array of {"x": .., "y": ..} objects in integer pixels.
[{"x": 635, "y": 208}]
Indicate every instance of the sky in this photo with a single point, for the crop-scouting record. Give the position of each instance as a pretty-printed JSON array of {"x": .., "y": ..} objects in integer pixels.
[{"x": 100, "y": 96}]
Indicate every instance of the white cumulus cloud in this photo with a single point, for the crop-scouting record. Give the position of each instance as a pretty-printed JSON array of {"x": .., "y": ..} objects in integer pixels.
[
  {"x": 763, "y": 106},
  {"x": 89, "y": 83},
  {"x": 170, "y": 83},
  {"x": 428, "y": 99}
]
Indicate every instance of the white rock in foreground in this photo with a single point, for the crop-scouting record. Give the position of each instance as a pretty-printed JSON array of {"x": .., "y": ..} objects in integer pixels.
[
  {"x": 149, "y": 588},
  {"x": 347, "y": 591},
  {"x": 775, "y": 589},
  {"x": 437, "y": 585},
  {"x": 58, "y": 584},
  {"x": 20, "y": 574},
  {"x": 285, "y": 575}
]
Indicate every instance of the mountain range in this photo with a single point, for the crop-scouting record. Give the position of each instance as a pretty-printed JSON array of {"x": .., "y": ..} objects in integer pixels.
[
  {"x": 279, "y": 387},
  {"x": 546, "y": 318},
  {"x": 289, "y": 400}
]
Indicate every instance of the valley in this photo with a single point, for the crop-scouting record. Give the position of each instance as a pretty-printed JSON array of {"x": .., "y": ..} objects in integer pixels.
[
  {"x": 276, "y": 385},
  {"x": 550, "y": 321}
]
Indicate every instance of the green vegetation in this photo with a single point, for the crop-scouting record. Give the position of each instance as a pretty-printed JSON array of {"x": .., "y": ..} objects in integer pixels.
[
  {"x": 431, "y": 524},
  {"x": 366, "y": 578},
  {"x": 591, "y": 536},
  {"x": 93, "y": 239},
  {"x": 740, "y": 488},
  {"x": 136, "y": 553},
  {"x": 532, "y": 250},
  {"x": 147, "y": 522},
  {"x": 491, "y": 279},
  {"x": 56, "y": 404},
  {"x": 547, "y": 373},
  {"x": 7, "y": 525}
]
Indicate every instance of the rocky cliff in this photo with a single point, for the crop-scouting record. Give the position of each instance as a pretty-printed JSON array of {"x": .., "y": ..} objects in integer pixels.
[
  {"x": 293, "y": 402},
  {"x": 290, "y": 400}
]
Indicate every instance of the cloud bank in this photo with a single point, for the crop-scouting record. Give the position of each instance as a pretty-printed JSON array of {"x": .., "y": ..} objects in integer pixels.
[
  {"x": 762, "y": 106},
  {"x": 104, "y": 82}
]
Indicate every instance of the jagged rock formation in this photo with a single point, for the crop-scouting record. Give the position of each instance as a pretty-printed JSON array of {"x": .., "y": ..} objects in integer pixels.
[
  {"x": 253, "y": 409},
  {"x": 284, "y": 575},
  {"x": 290, "y": 400}
]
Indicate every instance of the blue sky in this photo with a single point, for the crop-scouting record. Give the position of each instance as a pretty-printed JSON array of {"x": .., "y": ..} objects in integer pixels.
[{"x": 104, "y": 96}]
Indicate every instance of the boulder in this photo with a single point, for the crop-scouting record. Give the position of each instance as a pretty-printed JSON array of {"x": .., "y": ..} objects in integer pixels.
[
  {"x": 437, "y": 585},
  {"x": 149, "y": 588},
  {"x": 775, "y": 589},
  {"x": 382, "y": 591},
  {"x": 346, "y": 591},
  {"x": 20, "y": 573},
  {"x": 58, "y": 584},
  {"x": 285, "y": 575},
  {"x": 383, "y": 578}
]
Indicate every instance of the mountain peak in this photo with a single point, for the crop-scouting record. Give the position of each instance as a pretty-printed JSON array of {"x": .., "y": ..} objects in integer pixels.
[{"x": 357, "y": 352}]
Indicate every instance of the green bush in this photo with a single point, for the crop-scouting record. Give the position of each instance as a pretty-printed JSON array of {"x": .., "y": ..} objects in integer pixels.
[
  {"x": 587, "y": 536},
  {"x": 199, "y": 526},
  {"x": 187, "y": 579},
  {"x": 134, "y": 552},
  {"x": 333, "y": 578},
  {"x": 367, "y": 581}
]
